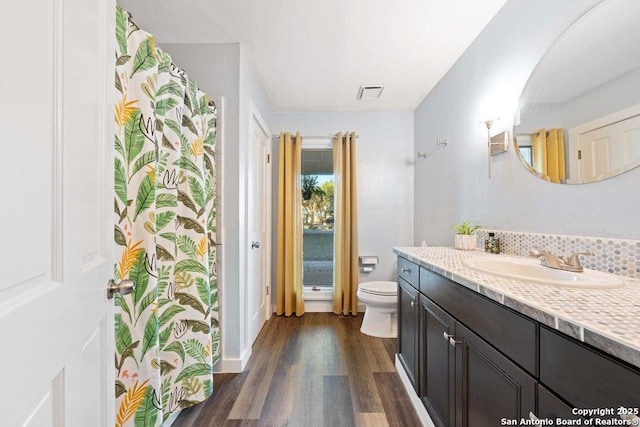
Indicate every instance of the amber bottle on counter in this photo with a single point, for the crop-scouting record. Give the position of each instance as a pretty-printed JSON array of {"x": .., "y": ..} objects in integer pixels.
[{"x": 492, "y": 244}]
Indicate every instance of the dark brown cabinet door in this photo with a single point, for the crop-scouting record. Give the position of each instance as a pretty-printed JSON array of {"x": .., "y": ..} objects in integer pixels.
[
  {"x": 408, "y": 330},
  {"x": 437, "y": 363},
  {"x": 551, "y": 407},
  {"x": 489, "y": 387}
]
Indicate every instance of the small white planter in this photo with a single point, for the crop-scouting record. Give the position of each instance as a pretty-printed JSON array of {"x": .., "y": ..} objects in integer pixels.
[{"x": 466, "y": 242}]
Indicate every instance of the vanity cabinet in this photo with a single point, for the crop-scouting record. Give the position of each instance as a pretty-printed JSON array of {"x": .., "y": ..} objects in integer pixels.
[
  {"x": 475, "y": 362},
  {"x": 551, "y": 407},
  {"x": 437, "y": 362},
  {"x": 408, "y": 329},
  {"x": 489, "y": 386},
  {"x": 592, "y": 379},
  {"x": 464, "y": 381}
]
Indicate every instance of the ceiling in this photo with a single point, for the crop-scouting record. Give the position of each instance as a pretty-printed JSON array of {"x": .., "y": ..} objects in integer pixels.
[{"x": 313, "y": 55}]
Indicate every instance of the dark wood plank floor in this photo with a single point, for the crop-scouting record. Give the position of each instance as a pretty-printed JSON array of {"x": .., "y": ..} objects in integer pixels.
[{"x": 314, "y": 370}]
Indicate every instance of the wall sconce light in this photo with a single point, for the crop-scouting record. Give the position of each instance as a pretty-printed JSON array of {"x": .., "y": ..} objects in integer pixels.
[
  {"x": 499, "y": 143},
  {"x": 496, "y": 144}
]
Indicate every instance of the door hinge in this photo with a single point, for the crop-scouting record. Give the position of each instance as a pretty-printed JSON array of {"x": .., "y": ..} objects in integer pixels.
[
  {"x": 267, "y": 289},
  {"x": 579, "y": 154},
  {"x": 268, "y": 158}
]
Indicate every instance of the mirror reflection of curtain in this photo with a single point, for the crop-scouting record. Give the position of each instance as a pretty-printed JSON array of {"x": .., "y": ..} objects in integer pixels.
[
  {"x": 289, "y": 292},
  {"x": 548, "y": 154}
]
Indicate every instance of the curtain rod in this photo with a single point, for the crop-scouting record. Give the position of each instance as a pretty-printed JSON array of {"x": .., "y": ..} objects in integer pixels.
[{"x": 316, "y": 136}]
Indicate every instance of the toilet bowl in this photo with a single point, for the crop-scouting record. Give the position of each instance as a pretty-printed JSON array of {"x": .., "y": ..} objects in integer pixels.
[{"x": 380, "y": 298}]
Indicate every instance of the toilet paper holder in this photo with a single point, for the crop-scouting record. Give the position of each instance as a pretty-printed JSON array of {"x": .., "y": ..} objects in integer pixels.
[{"x": 368, "y": 263}]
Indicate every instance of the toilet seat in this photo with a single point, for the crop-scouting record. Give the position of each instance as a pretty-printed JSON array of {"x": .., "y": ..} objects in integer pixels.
[
  {"x": 381, "y": 288},
  {"x": 381, "y": 301}
]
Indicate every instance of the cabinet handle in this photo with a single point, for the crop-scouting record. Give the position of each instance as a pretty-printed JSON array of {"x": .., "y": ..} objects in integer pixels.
[
  {"x": 532, "y": 417},
  {"x": 406, "y": 270},
  {"x": 451, "y": 339},
  {"x": 413, "y": 303}
]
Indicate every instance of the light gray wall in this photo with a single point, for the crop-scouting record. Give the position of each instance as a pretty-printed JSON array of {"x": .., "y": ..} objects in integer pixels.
[
  {"x": 452, "y": 184},
  {"x": 251, "y": 87},
  {"x": 385, "y": 176},
  {"x": 228, "y": 70}
]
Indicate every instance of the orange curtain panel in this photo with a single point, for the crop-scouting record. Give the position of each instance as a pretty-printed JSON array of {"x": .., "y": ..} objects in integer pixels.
[
  {"x": 345, "y": 280},
  {"x": 549, "y": 154},
  {"x": 289, "y": 291}
]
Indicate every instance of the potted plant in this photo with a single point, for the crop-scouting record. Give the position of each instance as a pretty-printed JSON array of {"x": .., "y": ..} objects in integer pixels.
[{"x": 464, "y": 238}]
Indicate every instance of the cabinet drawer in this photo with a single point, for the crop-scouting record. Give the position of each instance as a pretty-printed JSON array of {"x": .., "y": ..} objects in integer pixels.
[
  {"x": 509, "y": 332},
  {"x": 585, "y": 377},
  {"x": 409, "y": 271}
]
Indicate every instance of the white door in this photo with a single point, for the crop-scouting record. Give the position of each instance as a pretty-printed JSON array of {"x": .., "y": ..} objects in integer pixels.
[
  {"x": 56, "y": 116},
  {"x": 605, "y": 146},
  {"x": 258, "y": 224},
  {"x": 609, "y": 148}
]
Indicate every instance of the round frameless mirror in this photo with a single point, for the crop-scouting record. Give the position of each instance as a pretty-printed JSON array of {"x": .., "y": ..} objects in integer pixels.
[{"x": 578, "y": 118}]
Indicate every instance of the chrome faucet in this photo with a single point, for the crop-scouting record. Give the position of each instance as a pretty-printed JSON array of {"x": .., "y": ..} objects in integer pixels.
[{"x": 552, "y": 261}]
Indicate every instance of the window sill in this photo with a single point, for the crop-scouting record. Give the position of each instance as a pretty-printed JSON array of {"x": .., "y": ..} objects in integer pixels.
[{"x": 323, "y": 294}]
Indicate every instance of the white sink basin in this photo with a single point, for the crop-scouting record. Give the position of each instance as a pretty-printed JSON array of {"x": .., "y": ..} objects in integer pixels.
[{"x": 530, "y": 270}]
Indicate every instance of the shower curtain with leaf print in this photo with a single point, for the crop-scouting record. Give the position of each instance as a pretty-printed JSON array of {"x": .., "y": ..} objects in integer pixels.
[{"x": 166, "y": 331}]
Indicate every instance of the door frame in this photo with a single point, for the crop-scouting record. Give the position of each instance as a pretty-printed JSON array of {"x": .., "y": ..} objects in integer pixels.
[
  {"x": 219, "y": 102},
  {"x": 254, "y": 114}
]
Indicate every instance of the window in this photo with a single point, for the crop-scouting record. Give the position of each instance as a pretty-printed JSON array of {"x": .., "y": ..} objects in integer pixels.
[
  {"x": 526, "y": 153},
  {"x": 317, "y": 217}
]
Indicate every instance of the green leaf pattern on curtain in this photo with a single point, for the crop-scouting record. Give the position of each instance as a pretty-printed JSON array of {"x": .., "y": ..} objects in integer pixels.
[{"x": 167, "y": 330}]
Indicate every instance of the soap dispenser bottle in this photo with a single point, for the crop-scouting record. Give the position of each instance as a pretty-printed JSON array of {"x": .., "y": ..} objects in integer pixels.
[{"x": 491, "y": 244}]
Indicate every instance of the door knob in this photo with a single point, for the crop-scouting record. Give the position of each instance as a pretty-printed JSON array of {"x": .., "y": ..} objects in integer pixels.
[
  {"x": 255, "y": 245},
  {"x": 123, "y": 287}
]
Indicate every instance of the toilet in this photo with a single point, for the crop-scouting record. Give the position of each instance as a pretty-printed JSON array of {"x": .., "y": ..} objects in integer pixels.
[{"x": 381, "y": 299}]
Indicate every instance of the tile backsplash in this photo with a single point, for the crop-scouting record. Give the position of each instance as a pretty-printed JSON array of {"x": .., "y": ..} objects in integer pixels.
[{"x": 618, "y": 256}]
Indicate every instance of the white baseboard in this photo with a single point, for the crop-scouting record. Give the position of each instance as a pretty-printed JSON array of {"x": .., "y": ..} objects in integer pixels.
[
  {"x": 318, "y": 306},
  {"x": 425, "y": 419},
  {"x": 228, "y": 366},
  {"x": 315, "y": 306}
]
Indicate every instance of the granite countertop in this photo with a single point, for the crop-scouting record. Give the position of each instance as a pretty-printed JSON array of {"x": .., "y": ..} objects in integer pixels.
[{"x": 608, "y": 319}]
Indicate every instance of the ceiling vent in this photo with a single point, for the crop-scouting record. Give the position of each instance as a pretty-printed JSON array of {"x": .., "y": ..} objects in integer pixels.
[{"x": 369, "y": 92}]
